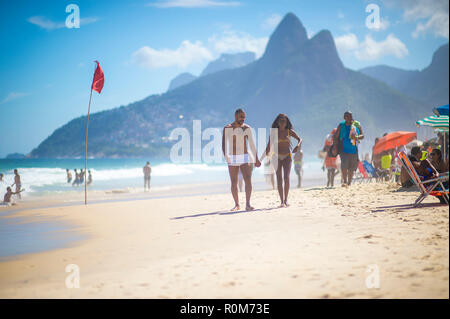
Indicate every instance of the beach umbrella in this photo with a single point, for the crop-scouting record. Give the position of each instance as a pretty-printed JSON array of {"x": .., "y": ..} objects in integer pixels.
[
  {"x": 393, "y": 140},
  {"x": 437, "y": 122},
  {"x": 441, "y": 110}
]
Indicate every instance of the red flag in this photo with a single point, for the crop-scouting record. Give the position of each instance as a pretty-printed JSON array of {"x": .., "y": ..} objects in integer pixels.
[{"x": 99, "y": 79}]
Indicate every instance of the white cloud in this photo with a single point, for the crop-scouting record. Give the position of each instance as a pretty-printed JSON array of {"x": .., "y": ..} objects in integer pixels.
[
  {"x": 186, "y": 54},
  {"x": 340, "y": 15},
  {"x": 228, "y": 41},
  {"x": 384, "y": 24},
  {"x": 346, "y": 27},
  {"x": 231, "y": 42},
  {"x": 89, "y": 20},
  {"x": 193, "y": 4},
  {"x": 437, "y": 24},
  {"x": 48, "y": 24},
  {"x": 432, "y": 16},
  {"x": 347, "y": 42},
  {"x": 370, "y": 49},
  {"x": 13, "y": 96},
  {"x": 271, "y": 22},
  {"x": 45, "y": 23}
]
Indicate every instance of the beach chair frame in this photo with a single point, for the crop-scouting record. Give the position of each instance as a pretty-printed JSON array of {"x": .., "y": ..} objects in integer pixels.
[
  {"x": 372, "y": 173},
  {"x": 426, "y": 187},
  {"x": 360, "y": 176}
]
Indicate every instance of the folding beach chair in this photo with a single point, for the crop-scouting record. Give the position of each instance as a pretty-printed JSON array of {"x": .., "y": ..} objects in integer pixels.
[
  {"x": 371, "y": 171},
  {"x": 362, "y": 176},
  {"x": 427, "y": 187}
]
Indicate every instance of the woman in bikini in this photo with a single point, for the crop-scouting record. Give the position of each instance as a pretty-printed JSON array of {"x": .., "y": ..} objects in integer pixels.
[{"x": 282, "y": 157}]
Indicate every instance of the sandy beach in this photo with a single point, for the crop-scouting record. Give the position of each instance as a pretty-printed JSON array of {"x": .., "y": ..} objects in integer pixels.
[{"x": 325, "y": 245}]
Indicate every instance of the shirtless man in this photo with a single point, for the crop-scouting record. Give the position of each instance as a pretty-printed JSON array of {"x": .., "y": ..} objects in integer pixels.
[
  {"x": 236, "y": 135},
  {"x": 17, "y": 183},
  {"x": 89, "y": 181},
  {"x": 147, "y": 171},
  {"x": 77, "y": 178},
  {"x": 69, "y": 175},
  {"x": 82, "y": 172}
]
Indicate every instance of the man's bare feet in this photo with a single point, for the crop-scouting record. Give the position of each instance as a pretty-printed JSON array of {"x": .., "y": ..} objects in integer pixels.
[
  {"x": 286, "y": 204},
  {"x": 249, "y": 208},
  {"x": 235, "y": 208},
  {"x": 281, "y": 205}
]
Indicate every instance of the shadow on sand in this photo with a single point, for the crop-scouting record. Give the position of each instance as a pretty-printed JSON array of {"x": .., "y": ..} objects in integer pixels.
[
  {"x": 406, "y": 206},
  {"x": 224, "y": 212}
]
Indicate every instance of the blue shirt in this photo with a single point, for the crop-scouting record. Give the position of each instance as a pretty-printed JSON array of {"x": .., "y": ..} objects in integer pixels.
[{"x": 348, "y": 148}]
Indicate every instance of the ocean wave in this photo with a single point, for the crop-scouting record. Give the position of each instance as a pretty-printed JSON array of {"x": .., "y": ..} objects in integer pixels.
[{"x": 33, "y": 178}]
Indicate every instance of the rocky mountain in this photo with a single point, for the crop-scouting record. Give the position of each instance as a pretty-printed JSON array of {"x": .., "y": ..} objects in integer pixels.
[
  {"x": 229, "y": 61},
  {"x": 180, "y": 80},
  {"x": 224, "y": 62},
  {"x": 16, "y": 156},
  {"x": 301, "y": 77},
  {"x": 429, "y": 85},
  {"x": 389, "y": 75}
]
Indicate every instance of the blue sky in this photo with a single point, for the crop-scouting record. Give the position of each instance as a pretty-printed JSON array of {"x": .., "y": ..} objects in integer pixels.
[{"x": 46, "y": 68}]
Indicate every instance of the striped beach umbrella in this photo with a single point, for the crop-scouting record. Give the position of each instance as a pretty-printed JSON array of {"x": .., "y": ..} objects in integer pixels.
[
  {"x": 441, "y": 110},
  {"x": 437, "y": 122}
]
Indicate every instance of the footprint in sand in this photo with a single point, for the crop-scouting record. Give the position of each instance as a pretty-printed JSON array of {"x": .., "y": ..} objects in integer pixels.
[{"x": 229, "y": 284}]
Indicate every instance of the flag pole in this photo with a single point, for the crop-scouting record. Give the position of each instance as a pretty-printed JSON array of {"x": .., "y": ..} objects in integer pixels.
[{"x": 85, "y": 151}]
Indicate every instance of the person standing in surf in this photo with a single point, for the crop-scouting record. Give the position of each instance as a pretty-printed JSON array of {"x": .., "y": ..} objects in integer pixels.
[
  {"x": 280, "y": 134},
  {"x": 238, "y": 137},
  {"x": 69, "y": 175},
  {"x": 147, "y": 170},
  {"x": 18, "y": 183}
]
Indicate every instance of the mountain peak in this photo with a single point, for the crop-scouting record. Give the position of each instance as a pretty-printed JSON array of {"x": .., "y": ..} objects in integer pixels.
[
  {"x": 441, "y": 54},
  {"x": 324, "y": 42},
  {"x": 287, "y": 38},
  {"x": 229, "y": 61}
]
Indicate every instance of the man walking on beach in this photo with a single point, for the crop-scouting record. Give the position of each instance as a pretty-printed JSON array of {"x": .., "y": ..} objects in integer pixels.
[
  {"x": 237, "y": 135},
  {"x": 348, "y": 135},
  {"x": 147, "y": 173}
]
